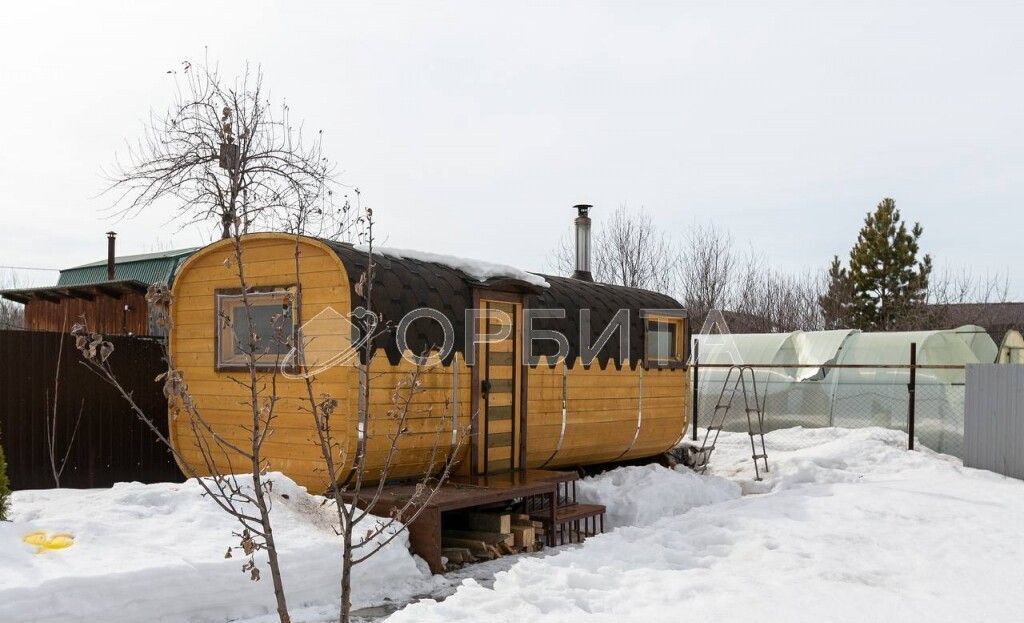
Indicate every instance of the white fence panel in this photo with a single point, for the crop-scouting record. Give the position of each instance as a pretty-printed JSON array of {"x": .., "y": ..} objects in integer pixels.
[{"x": 994, "y": 418}]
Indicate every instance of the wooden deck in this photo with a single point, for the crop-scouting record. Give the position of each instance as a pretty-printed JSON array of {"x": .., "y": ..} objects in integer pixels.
[{"x": 470, "y": 492}]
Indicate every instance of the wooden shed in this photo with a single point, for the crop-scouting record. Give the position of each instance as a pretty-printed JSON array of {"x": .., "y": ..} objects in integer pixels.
[
  {"x": 520, "y": 414},
  {"x": 110, "y": 294}
]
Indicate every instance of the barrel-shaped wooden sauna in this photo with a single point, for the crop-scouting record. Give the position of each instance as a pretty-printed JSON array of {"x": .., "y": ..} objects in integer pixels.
[{"x": 507, "y": 411}]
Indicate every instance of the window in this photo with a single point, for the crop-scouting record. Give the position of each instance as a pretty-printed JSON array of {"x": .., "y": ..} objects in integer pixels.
[
  {"x": 665, "y": 344},
  {"x": 661, "y": 340},
  {"x": 273, "y": 320}
]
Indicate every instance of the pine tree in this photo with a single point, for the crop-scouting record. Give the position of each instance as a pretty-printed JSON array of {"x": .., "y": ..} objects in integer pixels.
[
  {"x": 5, "y": 489},
  {"x": 888, "y": 282},
  {"x": 837, "y": 302}
]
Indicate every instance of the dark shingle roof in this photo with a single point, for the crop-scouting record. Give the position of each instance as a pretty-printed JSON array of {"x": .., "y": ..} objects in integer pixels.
[
  {"x": 604, "y": 301},
  {"x": 405, "y": 284},
  {"x": 402, "y": 285}
]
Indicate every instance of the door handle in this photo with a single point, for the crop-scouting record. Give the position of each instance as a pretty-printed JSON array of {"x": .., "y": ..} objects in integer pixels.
[{"x": 485, "y": 386}]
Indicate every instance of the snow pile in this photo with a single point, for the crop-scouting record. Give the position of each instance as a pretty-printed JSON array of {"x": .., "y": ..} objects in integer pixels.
[
  {"x": 476, "y": 269},
  {"x": 799, "y": 456},
  {"x": 640, "y": 495},
  {"x": 849, "y": 526},
  {"x": 156, "y": 553}
]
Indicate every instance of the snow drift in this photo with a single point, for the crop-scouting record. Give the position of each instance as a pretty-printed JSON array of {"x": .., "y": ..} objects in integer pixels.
[
  {"x": 848, "y": 526},
  {"x": 156, "y": 553},
  {"x": 641, "y": 495}
]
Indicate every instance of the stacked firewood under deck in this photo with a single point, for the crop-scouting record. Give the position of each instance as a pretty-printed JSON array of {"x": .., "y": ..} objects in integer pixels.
[{"x": 480, "y": 518}]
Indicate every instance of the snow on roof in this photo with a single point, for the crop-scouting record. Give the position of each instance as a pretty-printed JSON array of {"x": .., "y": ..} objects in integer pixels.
[{"x": 475, "y": 269}]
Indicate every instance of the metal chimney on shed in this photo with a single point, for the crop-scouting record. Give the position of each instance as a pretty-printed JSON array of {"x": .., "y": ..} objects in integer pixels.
[
  {"x": 583, "y": 243},
  {"x": 111, "y": 241}
]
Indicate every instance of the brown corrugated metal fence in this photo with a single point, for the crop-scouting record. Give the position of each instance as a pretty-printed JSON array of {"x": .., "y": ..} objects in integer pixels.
[{"x": 111, "y": 444}]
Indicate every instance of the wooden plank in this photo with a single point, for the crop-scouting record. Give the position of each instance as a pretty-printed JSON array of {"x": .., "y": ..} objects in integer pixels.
[
  {"x": 479, "y": 548},
  {"x": 499, "y": 440},
  {"x": 495, "y": 413},
  {"x": 490, "y": 522},
  {"x": 490, "y": 538},
  {"x": 501, "y": 358},
  {"x": 457, "y": 555},
  {"x": 500, "y": 386},
  {"x": 497, "y": 467},
  {"x": 524, "y": 536},
  {"x": 499, "y": 426}
]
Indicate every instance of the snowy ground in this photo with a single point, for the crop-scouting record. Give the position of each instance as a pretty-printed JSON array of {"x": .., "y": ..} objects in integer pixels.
[
  {"x": 156, "y": 553},
  {"x": 849, "y": 526}
]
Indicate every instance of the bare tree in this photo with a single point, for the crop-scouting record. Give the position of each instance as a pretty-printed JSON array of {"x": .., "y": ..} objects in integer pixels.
[
  {"x": 353, "y": 501},
  {"x": 774, "y": 301},
  {"x": 628, "y": 249},
  {"x": 706, "y": 271},
  {"x": 249, "y": 505},
  {"x": 959, "y": 297},
  {"x": 224, "y": 152},
  {"x": 12, "y": 315}
]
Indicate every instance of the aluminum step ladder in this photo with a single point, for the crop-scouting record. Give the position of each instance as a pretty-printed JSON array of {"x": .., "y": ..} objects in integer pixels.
[{"x": 736, "y": 379}]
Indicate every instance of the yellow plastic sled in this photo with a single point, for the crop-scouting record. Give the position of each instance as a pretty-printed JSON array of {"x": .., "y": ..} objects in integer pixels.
[{"x": 44, "y": 541}]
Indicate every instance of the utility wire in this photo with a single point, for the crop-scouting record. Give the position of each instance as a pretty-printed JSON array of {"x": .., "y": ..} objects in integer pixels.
[{"x": 28, "y": 268}]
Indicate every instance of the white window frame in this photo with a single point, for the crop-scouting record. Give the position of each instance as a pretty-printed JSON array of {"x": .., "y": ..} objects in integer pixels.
[{"x": 226, "y": 302}]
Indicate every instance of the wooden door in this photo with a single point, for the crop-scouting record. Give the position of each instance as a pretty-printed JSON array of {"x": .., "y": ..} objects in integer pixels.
[{"x": 500, "y": 381}]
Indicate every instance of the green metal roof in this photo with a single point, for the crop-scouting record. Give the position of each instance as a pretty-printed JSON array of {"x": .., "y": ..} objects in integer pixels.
[{"x": 148, "y": 268}]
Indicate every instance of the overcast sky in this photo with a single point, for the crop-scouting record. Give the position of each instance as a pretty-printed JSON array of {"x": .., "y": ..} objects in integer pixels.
[{"x": 472, "y": 128}]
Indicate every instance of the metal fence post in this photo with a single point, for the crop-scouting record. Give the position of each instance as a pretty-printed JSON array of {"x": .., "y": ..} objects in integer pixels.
[
  {"x": 693, "y": 401},
  {"x": 911, "y": 391}
]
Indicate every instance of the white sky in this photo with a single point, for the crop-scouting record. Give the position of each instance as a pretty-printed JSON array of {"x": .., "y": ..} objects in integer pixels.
[{"x": 472, "y": 127}]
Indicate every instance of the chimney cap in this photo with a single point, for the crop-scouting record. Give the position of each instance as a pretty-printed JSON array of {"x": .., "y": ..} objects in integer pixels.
[
  {"x": 111, "y": 234},
  {"x": 582, "y": 208}
]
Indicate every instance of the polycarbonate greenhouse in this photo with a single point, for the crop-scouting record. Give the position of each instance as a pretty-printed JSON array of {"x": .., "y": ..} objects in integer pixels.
[{"x": 801, "y": 380}]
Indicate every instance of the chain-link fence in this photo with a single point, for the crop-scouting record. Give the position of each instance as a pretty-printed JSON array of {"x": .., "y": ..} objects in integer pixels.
[{"x": 848, "y": 396}]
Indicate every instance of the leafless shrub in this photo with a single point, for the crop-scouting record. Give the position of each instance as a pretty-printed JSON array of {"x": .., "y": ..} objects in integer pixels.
[
  {"x": 59, "y": 460},
  {"x": 251, "y": 505},
  {"x": 352, "y": 500}
]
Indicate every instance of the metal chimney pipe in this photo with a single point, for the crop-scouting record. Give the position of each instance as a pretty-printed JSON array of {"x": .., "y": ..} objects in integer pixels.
[
  {"x": 111, "y": 238},
  {"x": 583, "y": 242}
]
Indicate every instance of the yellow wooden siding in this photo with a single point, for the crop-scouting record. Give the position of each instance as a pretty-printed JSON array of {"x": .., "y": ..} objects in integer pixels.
[
  {"x": 602, "y": 412},
  {"x": 601, "y": 407},
  {"x": 428, "y": 417},
  {"x": 269, "y": 260}
]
